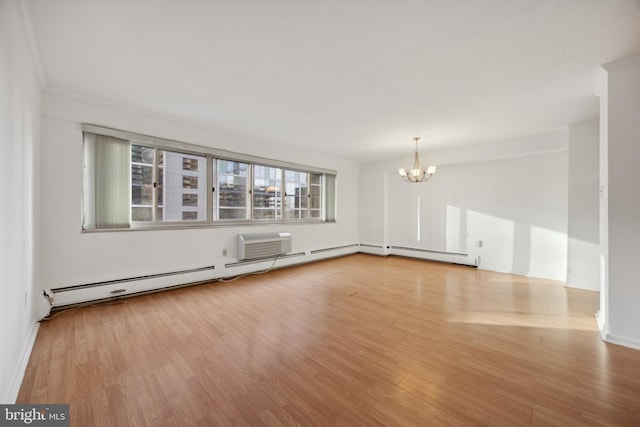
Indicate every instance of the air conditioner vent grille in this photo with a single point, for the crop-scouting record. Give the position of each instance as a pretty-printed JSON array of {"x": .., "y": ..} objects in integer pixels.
[{"x": 263, "y": 245}]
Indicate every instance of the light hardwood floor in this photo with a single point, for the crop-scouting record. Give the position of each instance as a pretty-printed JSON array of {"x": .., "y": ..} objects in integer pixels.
[{"x": 359, "y": 340}]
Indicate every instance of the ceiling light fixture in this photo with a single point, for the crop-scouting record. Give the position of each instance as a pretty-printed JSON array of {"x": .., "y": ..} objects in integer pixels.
[{"x": 416, "y": 173}]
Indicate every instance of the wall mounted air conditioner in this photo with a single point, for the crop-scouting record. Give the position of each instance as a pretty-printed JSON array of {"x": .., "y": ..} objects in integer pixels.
[{"x": 263, "y": 245}]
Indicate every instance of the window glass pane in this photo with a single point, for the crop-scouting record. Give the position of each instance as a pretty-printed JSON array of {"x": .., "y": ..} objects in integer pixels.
[
  {"x": 296, "y": 195},
  {"x": 177, "y": 201},
  {"x": 141, "y": 213},
  {"x": 141, "y": 183},
  {"x": 316, "y": 189},
  {"x": 233, "y": 190},
  {"x": 315, "y": 178},
  {"x": 267, "y": 192},
  {"x": 141, "y": 154}
]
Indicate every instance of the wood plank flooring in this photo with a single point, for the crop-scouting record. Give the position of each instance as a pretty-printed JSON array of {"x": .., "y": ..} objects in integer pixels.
[{"x": 359, "y": 340}]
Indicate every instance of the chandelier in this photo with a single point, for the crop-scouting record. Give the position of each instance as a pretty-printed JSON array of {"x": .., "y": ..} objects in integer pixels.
[{"x": 416, "y": 173}]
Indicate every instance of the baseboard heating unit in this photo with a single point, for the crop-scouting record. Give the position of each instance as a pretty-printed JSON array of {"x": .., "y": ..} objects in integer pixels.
[
  {"x": 450, "y": 257},
  {"x": 70, "y": 295}
]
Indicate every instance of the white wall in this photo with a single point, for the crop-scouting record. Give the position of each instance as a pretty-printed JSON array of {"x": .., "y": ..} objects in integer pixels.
[
  {"x": 583, "y": 253},
  {"x": 622, "y": 200},
  {"x": 374, "y": 208},
  {"x": 70, "y": 257},
  {"x": 19, "y": 146},
  {"x": 509, "y": 196}
]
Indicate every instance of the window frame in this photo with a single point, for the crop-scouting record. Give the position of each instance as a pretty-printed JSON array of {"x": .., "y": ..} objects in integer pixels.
[{"x": 212, "y": 191}]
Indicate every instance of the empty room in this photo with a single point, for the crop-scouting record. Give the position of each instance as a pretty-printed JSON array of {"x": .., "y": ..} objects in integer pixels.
[{"x": 361, "y": 212}]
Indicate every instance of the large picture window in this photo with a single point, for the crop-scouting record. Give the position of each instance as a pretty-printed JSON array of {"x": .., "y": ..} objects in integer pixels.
[{"x": 133, "y": 181}]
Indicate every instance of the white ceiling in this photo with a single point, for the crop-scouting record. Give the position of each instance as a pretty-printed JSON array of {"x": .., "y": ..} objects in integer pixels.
[{"x": 353, "y": 78}]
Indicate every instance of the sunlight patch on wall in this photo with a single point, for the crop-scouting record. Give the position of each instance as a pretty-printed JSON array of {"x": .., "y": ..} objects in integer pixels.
[
  {"x": 548, "y": 253},
  {"x": 498, "y": 243}
]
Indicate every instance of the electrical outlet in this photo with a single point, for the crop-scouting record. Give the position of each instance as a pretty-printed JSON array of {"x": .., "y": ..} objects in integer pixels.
[
  {"x": 479, "y": 243},
  {"x": 224, "y": 252}
]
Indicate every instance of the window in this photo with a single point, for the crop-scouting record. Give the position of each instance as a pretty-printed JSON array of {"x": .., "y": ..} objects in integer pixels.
[
  {"x": 267, "y": 192},
  {"x": 189, "y": 216},
  {"x": 189, "y": 181},
  {"x": 296, "y": 195},
  {"x": 134, "y": 181},
  {"x": 316, "y": 193},
  {"x": 174, "y": 198},
  {"x": 158, "y": 189},
  {"x": 233, "y": 190},
  {"x": 142, "y": 161}
]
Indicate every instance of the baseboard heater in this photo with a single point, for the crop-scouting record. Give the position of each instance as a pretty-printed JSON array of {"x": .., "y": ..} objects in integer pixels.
[
  {"x": 336, "y": 248},
  {"x": 261, "y": 260},
  {"x": 72, "y": 295},
  {"x": 450, "y": 257},
  {"x": 366, "y": 245}
]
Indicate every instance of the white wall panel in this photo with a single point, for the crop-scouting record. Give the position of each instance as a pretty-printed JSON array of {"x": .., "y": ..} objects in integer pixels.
[
  {"x": 583, "y": 265},
  {"x": 515, "y": 205},
  {"x": 20, "y": 301},
  {"x": 623, "y": 202}
]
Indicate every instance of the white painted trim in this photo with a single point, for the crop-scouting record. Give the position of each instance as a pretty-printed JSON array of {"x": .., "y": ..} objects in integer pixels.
[
  {"x": 623, "y": 341},
  {"x": 614, "y": 339},
  {"x": 21, "y": 368},
  {"x": 29, "y": 35},
  {"x": 602, "y": 326}
]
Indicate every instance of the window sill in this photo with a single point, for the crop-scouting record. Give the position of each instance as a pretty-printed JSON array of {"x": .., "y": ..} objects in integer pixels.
[{"x": 205, "y": 225}]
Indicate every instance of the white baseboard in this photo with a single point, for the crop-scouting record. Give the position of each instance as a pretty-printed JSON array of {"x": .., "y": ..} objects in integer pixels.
[
  {"x": 623, "y": 341},
  {"x": 602, "y": 326},
  {"x": 23, "y": 361},
  {"x": 582, "y": 286}
]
